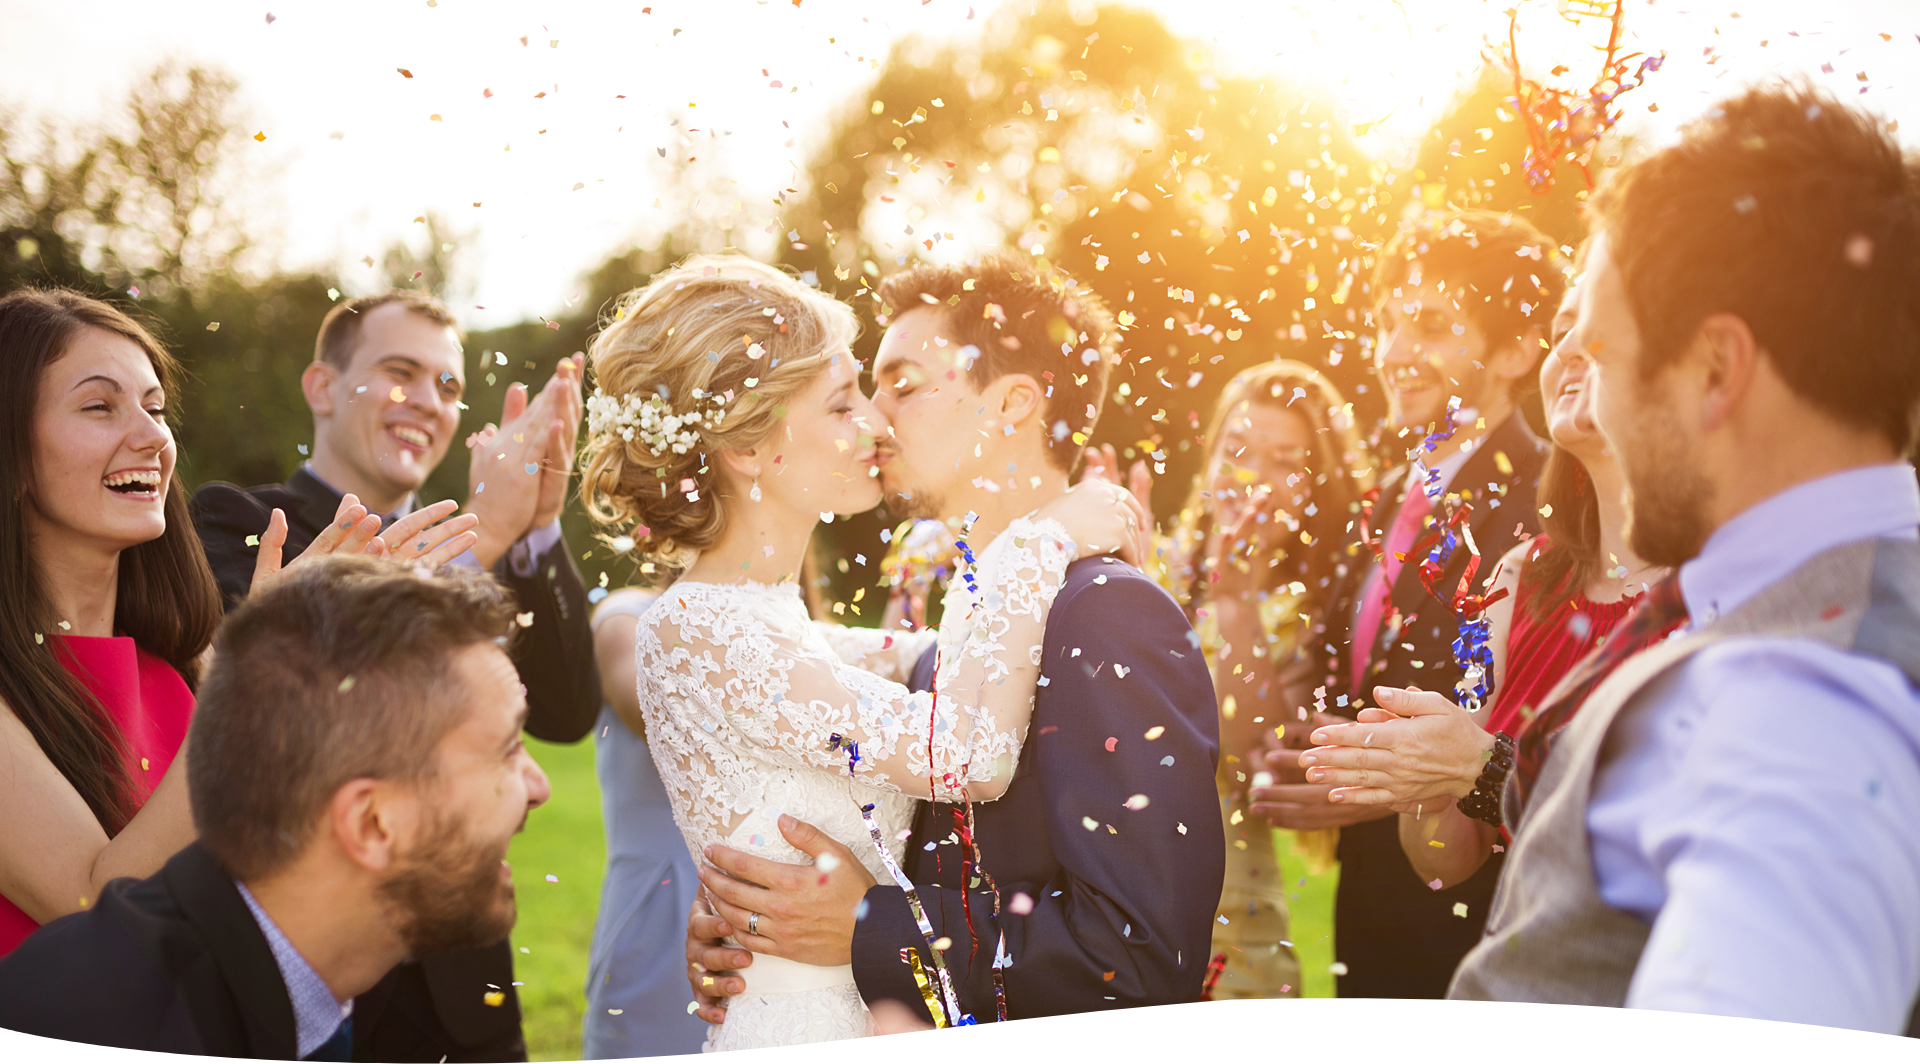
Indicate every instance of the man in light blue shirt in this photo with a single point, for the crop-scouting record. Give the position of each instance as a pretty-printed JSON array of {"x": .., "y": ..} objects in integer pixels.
[{"x": 1727, "y": 824}]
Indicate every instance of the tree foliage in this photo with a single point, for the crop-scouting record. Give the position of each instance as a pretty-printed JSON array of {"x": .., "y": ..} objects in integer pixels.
[{"x": 1227, "y": 219}]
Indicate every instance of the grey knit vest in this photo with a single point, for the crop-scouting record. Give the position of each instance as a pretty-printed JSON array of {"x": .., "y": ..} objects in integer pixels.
[{"x": 1550, "y": 937}]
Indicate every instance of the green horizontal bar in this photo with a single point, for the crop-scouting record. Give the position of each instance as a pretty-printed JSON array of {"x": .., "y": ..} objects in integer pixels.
[{"x": 1423, "y": 1039}]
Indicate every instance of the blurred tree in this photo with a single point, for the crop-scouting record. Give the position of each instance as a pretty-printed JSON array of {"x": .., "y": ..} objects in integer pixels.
[
  {"x": 244, "y": 418},
  {"x": 138, "y": 209},
  {"x": 1223, "y": 218},
  {"x": 1473, "y": 157},
  {"x": 143, "y": 200},
  {"x": 430, "y": 260},
  {"x": 172, "y": 179}
]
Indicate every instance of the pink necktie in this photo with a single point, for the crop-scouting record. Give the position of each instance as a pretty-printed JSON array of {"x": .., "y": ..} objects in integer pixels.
[{"x": 1373, "y": 608}]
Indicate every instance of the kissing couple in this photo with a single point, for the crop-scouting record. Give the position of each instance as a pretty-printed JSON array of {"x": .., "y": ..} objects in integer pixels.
[{"x": 1011, "y": 816}]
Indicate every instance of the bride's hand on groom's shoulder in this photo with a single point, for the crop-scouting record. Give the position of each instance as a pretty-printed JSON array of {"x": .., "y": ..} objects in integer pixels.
[
  {"x": 1103, "y": 518},
  {"x": 804, "y": 913}
]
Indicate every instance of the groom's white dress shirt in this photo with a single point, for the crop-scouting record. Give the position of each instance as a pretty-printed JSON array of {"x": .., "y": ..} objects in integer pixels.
[{"x": 1760, "y": 806}]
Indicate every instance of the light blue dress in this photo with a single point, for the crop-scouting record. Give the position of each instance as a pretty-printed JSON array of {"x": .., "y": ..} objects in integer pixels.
[{"x": 637, "y": 991}]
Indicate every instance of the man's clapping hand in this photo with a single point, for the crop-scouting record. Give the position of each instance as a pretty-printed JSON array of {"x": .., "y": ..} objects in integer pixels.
[{"x": 520, "y": 468}]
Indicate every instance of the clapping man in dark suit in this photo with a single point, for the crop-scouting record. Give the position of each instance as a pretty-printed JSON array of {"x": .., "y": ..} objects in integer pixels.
[
  {"x": 1464, "y": 305},
  {"x": 1107, "y": 847},
  {"x": 385, "y": 387},
  {"x": 357, "y": 771}
]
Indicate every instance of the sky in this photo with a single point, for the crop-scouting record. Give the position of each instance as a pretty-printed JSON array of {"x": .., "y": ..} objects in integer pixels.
[{"x": 546, "y": 152}]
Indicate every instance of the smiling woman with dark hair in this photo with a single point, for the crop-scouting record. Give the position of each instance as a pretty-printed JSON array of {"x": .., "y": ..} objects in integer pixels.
[{"x": 110, "y": 605}]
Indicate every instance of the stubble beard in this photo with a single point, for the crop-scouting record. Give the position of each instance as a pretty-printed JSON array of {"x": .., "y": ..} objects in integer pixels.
[
  {"x": 1667, "y": 496},
  {"x": 447, "y": 892},
  {"x": 910, "y": 503}
]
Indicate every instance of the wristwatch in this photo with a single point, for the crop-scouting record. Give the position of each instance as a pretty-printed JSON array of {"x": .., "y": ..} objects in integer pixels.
[{"x": 1483, "y": 802}]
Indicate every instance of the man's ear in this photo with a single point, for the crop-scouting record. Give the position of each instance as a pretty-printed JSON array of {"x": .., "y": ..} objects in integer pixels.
[
  {"x": 1727, "y": 358},
  {"x": 365, "y": 819},
  {"x": 1019, "y": 398},
  {"x": 316, "y": 384}
]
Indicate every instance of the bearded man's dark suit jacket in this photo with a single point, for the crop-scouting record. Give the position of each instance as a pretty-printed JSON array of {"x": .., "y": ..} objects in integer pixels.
[
  {"x": 170, "y": 964},
  {"x": 1109, "y": 828},
  {"x": 433, "y": 1009},
  {"x": 1398, "y": 937}
]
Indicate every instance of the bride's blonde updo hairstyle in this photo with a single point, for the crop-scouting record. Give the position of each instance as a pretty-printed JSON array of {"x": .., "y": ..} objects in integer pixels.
[{"x": 703, "y": 359}]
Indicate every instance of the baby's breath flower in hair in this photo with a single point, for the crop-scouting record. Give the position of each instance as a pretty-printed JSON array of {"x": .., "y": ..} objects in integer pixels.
[{"x": 650, "y": 419}]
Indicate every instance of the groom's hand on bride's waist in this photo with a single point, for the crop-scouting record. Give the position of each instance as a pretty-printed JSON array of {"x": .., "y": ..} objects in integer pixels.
[{"x": 804, "y": 913}]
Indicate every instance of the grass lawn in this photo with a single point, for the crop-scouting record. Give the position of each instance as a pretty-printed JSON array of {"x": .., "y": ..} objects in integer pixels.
[
  {"x": 1310, "y": 907},
  {"x": 563, "y": 840}
]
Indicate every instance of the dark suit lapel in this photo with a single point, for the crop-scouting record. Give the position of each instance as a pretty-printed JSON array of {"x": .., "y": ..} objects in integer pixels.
[
  {"x": 226, "y": 929},
  {"x": 314, "y": 506},
  {"x": 1515, "y": 442}
]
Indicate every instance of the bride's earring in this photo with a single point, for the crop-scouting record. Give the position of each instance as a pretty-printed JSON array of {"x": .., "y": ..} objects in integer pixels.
[{"x": 754, "y": 492}]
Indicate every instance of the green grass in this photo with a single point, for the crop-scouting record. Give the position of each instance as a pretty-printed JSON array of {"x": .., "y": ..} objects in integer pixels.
[
  {"x": 1310, "y": 910},
  {"x": 563, "y": 839}
]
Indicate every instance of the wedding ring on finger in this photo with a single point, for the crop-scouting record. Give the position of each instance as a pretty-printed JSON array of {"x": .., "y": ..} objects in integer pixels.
[{"x": 753, "y": 923}]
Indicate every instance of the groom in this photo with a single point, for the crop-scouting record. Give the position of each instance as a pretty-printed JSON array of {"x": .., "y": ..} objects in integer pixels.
[{"x": 1107, "y": 847}]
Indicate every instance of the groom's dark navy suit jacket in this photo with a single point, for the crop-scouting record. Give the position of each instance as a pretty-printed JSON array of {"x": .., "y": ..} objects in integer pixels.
[{"x": 1110, "y": 828}]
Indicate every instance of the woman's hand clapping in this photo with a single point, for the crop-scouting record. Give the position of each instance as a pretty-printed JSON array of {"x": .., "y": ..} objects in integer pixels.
[
  {"x": 414, "y": 538},
  {"x": 1419, "y": 748}
]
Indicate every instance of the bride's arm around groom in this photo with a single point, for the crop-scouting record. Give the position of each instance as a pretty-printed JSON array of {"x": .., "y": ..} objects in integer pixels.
[{"x": 1107, "y": 846}]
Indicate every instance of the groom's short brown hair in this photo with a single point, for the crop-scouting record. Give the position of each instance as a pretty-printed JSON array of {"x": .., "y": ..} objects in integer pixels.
[
  {"x": 339, "y": 671},
  {"x": 1023, "y": 318}
]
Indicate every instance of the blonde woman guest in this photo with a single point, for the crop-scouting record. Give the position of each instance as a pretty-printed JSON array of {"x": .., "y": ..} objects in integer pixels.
[
  {"x": 1250, "y": 558},
  {"x": 727, "y": 418}
]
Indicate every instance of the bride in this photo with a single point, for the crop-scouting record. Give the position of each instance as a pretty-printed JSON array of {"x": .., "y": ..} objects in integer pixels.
[{"x": 727, "y": 420}]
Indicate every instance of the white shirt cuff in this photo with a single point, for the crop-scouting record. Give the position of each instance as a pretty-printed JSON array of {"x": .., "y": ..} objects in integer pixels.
[{"x": 526, "y": 552}]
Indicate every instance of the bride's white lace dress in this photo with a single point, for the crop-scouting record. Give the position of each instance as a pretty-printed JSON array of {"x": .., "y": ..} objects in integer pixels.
[{"x": 742, "y": 693}]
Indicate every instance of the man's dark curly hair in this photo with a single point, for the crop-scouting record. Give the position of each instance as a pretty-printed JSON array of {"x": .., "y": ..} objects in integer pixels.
[{"x": 1023, "y": 319}]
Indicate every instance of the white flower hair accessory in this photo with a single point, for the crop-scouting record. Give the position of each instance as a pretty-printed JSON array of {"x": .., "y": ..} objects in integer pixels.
[{"x": 652, "y": 421}]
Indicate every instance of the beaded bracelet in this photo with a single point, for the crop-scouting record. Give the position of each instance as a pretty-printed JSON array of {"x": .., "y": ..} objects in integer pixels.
[{"x": 1483, "y": 803}]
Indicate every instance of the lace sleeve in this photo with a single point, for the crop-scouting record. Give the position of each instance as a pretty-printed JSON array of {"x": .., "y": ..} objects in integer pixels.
[
  {"x": 887, "y": 654},
  {"x": 776, "y": 682}
]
